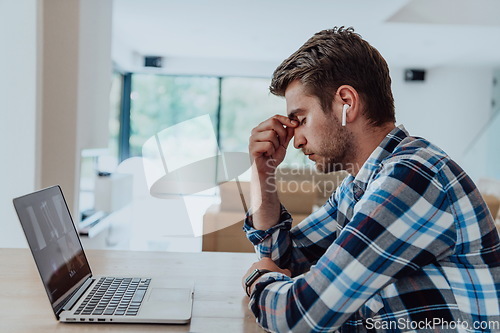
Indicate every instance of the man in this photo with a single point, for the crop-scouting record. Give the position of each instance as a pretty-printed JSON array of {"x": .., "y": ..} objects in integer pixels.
[{"x": 405, "y": 243}]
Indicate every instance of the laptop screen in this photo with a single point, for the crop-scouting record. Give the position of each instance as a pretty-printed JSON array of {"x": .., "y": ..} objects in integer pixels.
[{"x": 54, "y": 242}]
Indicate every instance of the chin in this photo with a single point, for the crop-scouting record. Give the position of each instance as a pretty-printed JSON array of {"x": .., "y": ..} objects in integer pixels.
[
  {"x": 320, "y": 167},
  {"x": 327, "y": 167}
]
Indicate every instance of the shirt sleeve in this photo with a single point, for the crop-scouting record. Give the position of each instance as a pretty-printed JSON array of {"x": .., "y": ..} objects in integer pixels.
[
  {"x": 401, "y": 223},
  {"x": 300, "y": 247}
]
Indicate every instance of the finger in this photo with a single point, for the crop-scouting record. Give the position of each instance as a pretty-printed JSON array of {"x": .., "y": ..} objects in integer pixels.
[
  {"x": 279, "y": 130},
  {"x": 290, "y": 131},
  {"x": 285, "y": 133},
  {"x": 262, "y": 148},
  {"x": 276, "y": 122},
  {"x": 285, "y": 121},
  {"x": 267, "y": 136},
  {"x": 271, "y": 124}
]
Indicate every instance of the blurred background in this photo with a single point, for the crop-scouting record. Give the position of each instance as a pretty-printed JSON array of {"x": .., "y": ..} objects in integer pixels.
[{"x": 85, "y": 84}]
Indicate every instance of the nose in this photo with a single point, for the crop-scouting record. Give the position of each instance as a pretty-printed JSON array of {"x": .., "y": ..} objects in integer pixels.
[{"x": 299, "y": 139}]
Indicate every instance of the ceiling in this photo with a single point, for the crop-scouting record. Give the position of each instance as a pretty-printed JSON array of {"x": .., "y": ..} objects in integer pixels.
[{"x": 408, "y": 33}]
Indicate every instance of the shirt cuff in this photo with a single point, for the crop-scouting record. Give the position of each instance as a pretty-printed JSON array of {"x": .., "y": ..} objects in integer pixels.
[
  {"x": 259, "y": 286},
  {"x": 257, "y": 236}
]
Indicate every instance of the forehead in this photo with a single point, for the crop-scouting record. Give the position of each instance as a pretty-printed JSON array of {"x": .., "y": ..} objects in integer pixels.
[{"x": 298, "y": 100}]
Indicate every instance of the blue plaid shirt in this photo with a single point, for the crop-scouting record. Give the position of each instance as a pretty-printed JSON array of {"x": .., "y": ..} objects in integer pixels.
[{"x": 406, "y": 245}]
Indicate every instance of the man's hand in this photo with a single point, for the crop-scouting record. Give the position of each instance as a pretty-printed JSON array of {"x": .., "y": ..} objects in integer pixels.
[
  {"x": 269, "y": 141},
  {"x": 267, "y": 149},
  {"x": 264, "y": 263}
]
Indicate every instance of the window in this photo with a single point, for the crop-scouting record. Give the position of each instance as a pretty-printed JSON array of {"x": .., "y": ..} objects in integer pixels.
[
  {"x": 114, "y": 115},
  {"x": 150, "y": 106},
  {"x": 235, "y": 105},
  {"x": 246, "y": 102},
  {"x": 160, "y": 101}
]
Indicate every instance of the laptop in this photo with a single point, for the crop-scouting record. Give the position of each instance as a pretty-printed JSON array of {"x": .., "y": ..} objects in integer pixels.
[{"x": 75, "y": 293}]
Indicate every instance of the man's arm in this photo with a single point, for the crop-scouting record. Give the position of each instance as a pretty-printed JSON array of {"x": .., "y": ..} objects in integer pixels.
[
  {"x": 267, "y": 148},
  {"x": 268, "y": 227},
  {"x": 401, "y": 225},
  {"x": 300, "y": 247},
  {"x": 267, "y": 264}
]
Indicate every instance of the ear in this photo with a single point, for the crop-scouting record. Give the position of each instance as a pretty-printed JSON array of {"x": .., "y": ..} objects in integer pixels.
[{"x": 348, "y": 95}]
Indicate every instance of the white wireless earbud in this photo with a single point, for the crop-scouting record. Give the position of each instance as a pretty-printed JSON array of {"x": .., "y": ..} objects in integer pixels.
[{"x": 344, "y": 113}]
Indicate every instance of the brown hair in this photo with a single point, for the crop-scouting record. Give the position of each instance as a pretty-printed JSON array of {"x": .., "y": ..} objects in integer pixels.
[{"x": 335, "y": 57}]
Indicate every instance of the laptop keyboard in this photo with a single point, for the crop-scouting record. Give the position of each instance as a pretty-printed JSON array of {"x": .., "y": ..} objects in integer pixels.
[{"x": 115, "y": 296}]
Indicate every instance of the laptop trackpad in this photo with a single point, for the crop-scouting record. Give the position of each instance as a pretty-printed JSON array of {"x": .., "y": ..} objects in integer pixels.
[
  {"x": 167, "y": 295},
  {"x": 169, "y": 303}
]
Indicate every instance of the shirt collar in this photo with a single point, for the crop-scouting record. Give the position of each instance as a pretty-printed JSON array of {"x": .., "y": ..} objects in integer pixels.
[{"x": 384, "y": 149}]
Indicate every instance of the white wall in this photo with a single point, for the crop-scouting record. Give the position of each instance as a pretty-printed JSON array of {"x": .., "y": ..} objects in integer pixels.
[
  {"x": 449, "y": 108},
  {"x": 75, "y": 89},
  {"x": 18, "y": 68},
  {"x": 55, "y": 67},
  {"x": 94, "y": 73},
  {"x": 483, "y": 157},
  {"x": 129, "y": 60}
]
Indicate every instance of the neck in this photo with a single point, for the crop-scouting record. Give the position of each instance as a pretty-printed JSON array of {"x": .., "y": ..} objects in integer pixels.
[{"x": 367, "y": 140}]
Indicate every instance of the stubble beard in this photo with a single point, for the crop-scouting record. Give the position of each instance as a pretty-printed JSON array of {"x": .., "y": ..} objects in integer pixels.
[{"x": 336, "y": 148}]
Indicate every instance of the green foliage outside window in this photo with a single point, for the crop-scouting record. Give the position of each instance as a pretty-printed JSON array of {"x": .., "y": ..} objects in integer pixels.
[{"x": 160, "y": 101}]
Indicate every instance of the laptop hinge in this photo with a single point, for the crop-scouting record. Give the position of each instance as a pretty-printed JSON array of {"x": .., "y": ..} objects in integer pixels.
[{"x": 78, "y": 293}]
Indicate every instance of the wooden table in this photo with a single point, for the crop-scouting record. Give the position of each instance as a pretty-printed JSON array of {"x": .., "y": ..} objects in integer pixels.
[{"x": 220, "y": 304}]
